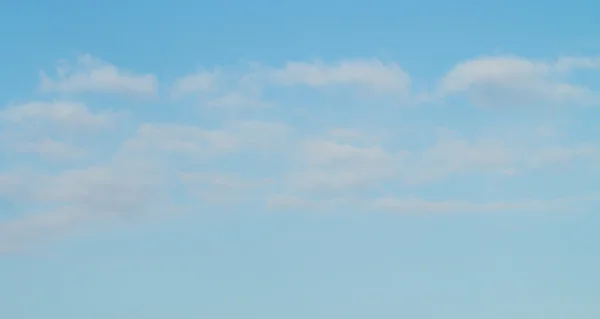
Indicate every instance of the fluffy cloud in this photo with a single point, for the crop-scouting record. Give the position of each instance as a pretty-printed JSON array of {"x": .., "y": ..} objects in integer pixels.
[
  {"x": 223, "y": 88},
  {"x": 372, "y": 74},
  {"x": 489, "y": 81},
  {"x": 516, "y": 81},
  {"x": 90, "y": 74},
  {"x": 272, "y": 159},
  {"x": 200, "y": 82},
  {"x": 60, "y": 114}
]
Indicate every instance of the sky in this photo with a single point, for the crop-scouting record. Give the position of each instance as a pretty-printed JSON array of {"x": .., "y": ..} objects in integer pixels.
[{"x": 315, "y": 159}]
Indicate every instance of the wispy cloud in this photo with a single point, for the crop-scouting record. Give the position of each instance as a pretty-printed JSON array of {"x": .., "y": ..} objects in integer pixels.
[
  {"x": 512, "y": 81},
  {"x": 91, "y": 74},
  {"x": 269, "y": 158}
]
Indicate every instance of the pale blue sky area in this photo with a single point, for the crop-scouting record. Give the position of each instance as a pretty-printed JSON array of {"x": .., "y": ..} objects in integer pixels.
[{"x": 313, "y": 159}]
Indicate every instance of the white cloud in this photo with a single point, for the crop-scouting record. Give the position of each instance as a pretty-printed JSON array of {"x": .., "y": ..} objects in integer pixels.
[
  {"x": 223, "y": 188},
  {"x": 567, "y": 64},
  {"x": 268, "y": 162},
  {"x": 327, "y": 152},
  {"x": 90, "y": 74},
  {"x": 180, "y": 139},
  {"x": 50, "y": 149},
  {"x": 201, "y": 82},
  {"x": 62, "y": 114},
  {"x": 330, "y": 167},
  {"x": 328, "y": 182},
  {"x": 17, "y": 235},
  {"x": 198, "y": 141},
  {"x": 73, "y": 199},
  {"x": 414, "y": 205},
  {"x": 561, "y": 154},
  {"x": 284, "y": 202},
  {"x": 133, "y": 184},
  {"x": 344, "y": 133},
  {"x": 451, "y": 154},
  {"x": 220, "y": 180},
  {"x": 245, "y": 89},
  {"x": 221, "y": 89},
  {"x": 237, "y": 100},
  {"x": 511, "y": 81},
  {"x": 115, "y": 188},
  {"x": 372, "y": 74},
  {"x": 12, "y": 185}
]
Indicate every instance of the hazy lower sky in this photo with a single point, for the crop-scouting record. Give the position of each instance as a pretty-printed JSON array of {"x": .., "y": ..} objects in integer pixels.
[{"x": 294, "y": 160}]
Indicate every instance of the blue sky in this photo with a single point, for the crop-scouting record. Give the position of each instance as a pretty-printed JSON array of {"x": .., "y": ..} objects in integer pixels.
[{"x": 319, "y": 159}]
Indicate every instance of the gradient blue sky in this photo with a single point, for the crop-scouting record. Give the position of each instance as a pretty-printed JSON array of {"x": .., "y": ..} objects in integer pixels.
[{"x": 316, "y": 159}]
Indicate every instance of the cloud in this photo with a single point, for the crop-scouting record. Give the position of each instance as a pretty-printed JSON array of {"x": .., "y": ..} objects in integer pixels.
[
  {"x": 344, "y": 133},
  {"x": 284, "y": 202},
  {"x": 101, "y": 189},
  {"x": 328, "y": 167},
  {"x": 221, "y": 89},
  {"x": 331, "y": 167},
  {"x": 568, "y": 64},
  {"x": 12, "y": 184},
  {"x": 17, "y": 235},
  {"x": 199, "y": 141},
  {"x": 512, "y": 81},
  {"x": 561, "y": 154},
  {"x": 371, "y": 74},
  {"x": 223, "y": 181},
  {"x": 77, "y": 199},
  {"x": 327, "y": 152},
  {"x": 50, "y": 149},
  {"x": 451, "y": 154},
  {"x": 133, "y": 184},
  {"x": 60, "y": 114},
  {"x": 273, "y": 159},
  {"x": 226, "y": 88},
  {"x": 326, "y": 182},
  {"x": 238, "y": 100},
  {"x": 201, "y": 82},
  {"x": 90, "y": 74},
  {"x": 223, "y": 188},
  {"x": 416, "y": 205}
]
